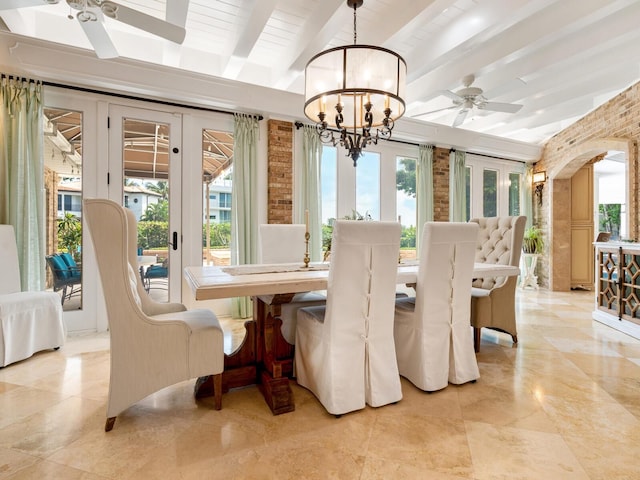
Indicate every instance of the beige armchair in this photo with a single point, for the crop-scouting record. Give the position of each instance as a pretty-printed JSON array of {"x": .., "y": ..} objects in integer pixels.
[
  {"x": 493, "y": 299},
  {"x": 153, "y": 345}
]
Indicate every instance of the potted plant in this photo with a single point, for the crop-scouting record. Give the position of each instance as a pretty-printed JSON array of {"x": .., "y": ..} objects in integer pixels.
[{"x": 532, "y": 241}]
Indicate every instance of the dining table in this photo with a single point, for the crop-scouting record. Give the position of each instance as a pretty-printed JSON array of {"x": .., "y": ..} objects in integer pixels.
[{"x": 265, "y": 358}]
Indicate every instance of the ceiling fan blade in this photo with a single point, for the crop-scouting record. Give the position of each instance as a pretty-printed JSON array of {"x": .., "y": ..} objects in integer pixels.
[
  {"x": 99, "y": 38},
  {"x": 10, "y": 4},
  {"x": 435, "y": 111},
  {"x": 452, "y": 95},
  {"x": 143, "y": 21},
  {"x": 500, "y": 107},
  {"x": 462, "y": 114},
  {"x": 177, "y": 12}
]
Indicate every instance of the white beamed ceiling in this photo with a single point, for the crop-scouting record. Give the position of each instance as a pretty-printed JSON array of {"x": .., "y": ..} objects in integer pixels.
[{"x": 560, "y": 59}]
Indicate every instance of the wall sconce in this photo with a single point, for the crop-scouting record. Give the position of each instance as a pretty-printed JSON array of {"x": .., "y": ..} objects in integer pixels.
[{"x": 538, "y": 181}]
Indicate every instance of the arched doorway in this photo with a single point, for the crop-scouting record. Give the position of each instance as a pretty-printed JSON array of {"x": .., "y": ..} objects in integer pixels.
[{"x": 560, "y": 197}]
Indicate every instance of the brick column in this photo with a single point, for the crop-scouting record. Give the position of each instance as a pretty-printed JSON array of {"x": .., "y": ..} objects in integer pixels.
[
  {"x": 441, "y": 184},
  {"x": 280, "y": 172}
]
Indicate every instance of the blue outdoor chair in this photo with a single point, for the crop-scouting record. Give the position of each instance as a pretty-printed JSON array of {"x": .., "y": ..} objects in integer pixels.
[{"x": 66, "y": 275}]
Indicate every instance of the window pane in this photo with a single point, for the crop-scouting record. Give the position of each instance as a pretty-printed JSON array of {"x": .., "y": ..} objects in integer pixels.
[
  {"x": 490, "y": 193},
  {"x": 514, "y": 194},
  {"x": 217, "y": 193},
  {"x": 368, "y": 186},
  {"x": 329, "y": 184},
  {"x": 406, "y": 205},
  {"x": 467, "y": 186},
  {"x": 63, "y": 187}
]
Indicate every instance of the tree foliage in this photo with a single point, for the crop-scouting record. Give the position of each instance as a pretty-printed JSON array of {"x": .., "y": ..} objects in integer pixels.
[
  {"x": 70, "y": 234},
  {"x": 406, "y": 176},
  {"x": 161, "y": 188},
  {"x": 156, "y": 212}
]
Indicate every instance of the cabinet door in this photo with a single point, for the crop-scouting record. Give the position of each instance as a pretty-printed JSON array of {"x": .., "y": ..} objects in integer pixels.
[{"x": 582, "y": 258}]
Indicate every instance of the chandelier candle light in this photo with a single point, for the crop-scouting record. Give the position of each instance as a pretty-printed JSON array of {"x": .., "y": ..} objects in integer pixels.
[{"x": 362, "y": 85}]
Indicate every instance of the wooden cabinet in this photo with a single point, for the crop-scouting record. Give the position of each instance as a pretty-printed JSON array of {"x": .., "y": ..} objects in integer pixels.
[
  {"x": 618, "y": 286},
  {"x": 582, "y": 259}
]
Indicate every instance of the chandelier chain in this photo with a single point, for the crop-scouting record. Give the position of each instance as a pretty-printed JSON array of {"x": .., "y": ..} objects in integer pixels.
[{"x": 355, "y": 31}]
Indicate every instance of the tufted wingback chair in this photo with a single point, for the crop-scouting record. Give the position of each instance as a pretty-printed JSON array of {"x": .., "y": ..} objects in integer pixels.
[{"x": 493, "y": 299}]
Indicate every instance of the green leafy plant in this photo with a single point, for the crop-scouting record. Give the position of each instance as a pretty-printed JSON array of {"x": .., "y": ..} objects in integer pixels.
[
  {"x": 532, "y": 241},
  {"x": 70, "y": 235}
]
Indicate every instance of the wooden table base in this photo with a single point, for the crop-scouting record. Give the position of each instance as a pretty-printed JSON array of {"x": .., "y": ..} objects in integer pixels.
[{"x": 264, "y": 358}]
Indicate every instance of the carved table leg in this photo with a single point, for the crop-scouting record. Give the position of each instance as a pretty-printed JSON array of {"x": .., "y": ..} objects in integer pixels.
[
  {"x": 240, "y": 367},
  {"x": 276, "y": 355},
  {"x": 264, "y": 358}
]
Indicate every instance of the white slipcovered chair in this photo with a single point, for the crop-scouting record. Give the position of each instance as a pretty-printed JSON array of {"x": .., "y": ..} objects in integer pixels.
[
  {"x": 433, "y": 336},
  {"x": 345, "y": 352},
  {"x": 493, "y": 300},
  {"x": 285, "y": 243},
  {"x": 153, "y": 345},
  {"x": 29, "y": 321}
]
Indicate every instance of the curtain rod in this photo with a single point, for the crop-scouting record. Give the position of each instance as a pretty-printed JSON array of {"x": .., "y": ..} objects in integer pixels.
[
  {"x": 133, "y": 97},
  {"x": 299, "y": 124}
]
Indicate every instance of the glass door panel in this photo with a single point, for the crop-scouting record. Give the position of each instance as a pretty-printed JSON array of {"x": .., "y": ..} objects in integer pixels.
[
  {"x": 217, "y": 167},
  {"x": 63, "y": 212},
  {"x": 147, "y": 179}
]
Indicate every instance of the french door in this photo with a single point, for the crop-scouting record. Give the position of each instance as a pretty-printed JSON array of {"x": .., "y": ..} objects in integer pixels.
[{"x": 145, "y": 165}]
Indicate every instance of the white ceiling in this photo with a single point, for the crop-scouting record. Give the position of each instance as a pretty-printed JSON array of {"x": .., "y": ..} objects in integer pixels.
[{"x": 560, "y": 59}]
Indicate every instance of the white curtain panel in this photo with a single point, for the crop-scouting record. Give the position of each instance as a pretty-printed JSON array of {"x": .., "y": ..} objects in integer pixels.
[
  {"x": 307, "y": 190},
  {"x": 527, "y": 192},
  {"x": 22, "y": 175},
  {"x": 457, "y": 190},
  {"x": 244, "y": 224},
  {"x": 424, "y": 190}
]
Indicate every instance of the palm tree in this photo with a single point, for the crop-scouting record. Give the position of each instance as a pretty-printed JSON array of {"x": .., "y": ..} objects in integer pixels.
[
  {"x": 156, "y": 212},
  {"x": 161, "y": 188}
]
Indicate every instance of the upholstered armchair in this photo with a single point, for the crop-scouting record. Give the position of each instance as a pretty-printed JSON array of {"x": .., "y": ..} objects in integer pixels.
[
  {"x": 152, "y": 345},
  {"x": 345, "y": 353},
  {"x": 493, "y": 299},
  {"x": 434, "y": 344},
  {"x": 29, "y": 321}
]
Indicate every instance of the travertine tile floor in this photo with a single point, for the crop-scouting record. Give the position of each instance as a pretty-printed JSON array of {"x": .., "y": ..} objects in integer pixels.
[{"x": 563, "y": 404}]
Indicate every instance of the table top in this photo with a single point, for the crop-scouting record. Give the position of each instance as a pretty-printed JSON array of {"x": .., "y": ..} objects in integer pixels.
[{"x": 211, "y": 282}]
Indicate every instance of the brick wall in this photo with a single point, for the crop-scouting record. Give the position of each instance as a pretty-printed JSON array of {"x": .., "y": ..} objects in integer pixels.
[
  {"x": 613, "y": 126},
  {"x": 280, "y": 172},
  {"x": 441, "y": 184}
]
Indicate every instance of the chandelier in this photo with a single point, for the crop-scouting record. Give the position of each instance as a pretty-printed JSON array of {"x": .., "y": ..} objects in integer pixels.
[{"x": 363, "y": 87}]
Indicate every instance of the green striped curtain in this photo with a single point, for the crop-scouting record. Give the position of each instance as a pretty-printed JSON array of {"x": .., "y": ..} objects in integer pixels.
[
  {"x": 424, "y": 190},
  {"x": 22, "y": 175},
  {"x": 244, "y": 224}
]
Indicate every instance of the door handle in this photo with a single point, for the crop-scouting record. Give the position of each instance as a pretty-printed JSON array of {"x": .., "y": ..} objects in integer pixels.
[{"x": 174, "y": 243}]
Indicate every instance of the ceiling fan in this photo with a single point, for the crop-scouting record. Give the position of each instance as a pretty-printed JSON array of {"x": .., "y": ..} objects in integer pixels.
[
  {"x": 468, "y": 98},
  {"x": 90, "y": 15}
]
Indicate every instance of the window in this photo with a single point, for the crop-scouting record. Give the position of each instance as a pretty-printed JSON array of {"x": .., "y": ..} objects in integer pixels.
[
  {"x": 328, "y": 185},
  {"x": 490, "y": 193},
  {"x": 514, "y": 194},
  {"x": 406, "y": 204},
  {"x": 225, "y": 200},
  {"x": 494, "y": 186},
  {"x": 225, "y": 216},
  {"x": 368, "y": 186},
  {"x": 467, "y": 186}
]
